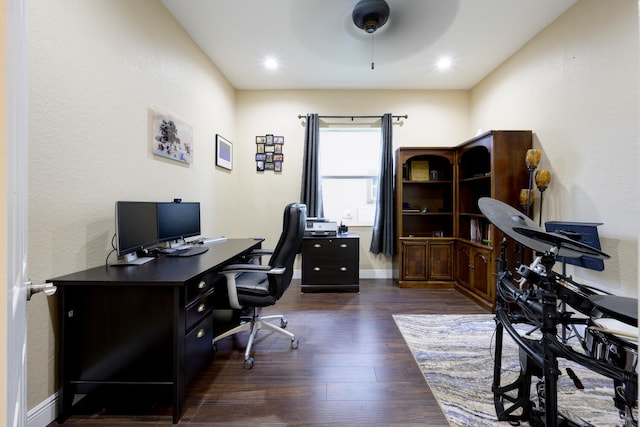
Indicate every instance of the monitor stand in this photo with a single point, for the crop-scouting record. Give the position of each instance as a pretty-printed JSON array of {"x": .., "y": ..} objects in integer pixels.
[
  {"x": 179, "y": 244},
  {"x": 132, "y": 259}
]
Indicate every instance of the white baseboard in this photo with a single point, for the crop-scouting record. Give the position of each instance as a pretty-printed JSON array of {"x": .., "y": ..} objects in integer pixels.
[
  {"x": 44, "y": 413},
  {"x": 376, "y": 274},
  {"x": 364, "y": 274}
]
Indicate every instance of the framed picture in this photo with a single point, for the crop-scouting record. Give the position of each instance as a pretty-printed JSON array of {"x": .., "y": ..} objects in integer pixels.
[
  {"x": 171, "y": 137},
  {"x": 269, "y": 156},
  {"x": 224, "y": 153}
]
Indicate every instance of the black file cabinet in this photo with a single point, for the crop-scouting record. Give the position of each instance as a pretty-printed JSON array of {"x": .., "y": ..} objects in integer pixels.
[{"x": 331, "y": 263}]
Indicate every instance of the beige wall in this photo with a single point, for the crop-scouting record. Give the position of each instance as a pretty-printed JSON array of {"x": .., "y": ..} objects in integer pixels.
[
  {"x": 576, "y": 86},
  {"x": 436, "y": 118},
  {"x": 96, "y": 67}
]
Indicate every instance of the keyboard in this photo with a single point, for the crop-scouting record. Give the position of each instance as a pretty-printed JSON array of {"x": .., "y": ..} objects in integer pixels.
[{"x": 194, "y": 250}]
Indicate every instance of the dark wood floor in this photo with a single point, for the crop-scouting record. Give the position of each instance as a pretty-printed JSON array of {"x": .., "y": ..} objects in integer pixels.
[{"x": 352, "y": 368}]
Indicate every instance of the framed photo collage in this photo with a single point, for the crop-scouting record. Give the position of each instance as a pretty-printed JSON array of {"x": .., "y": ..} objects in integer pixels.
[{"x": 269, "y": 155}]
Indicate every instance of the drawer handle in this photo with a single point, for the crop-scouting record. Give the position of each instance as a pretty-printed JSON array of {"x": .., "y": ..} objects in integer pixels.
[
  {"x": 316, "y": 268},
  {"x": 317, "y": 245},
  {"x": 200, "y": 333},
  {"x": 343, "y": 269},
  {"x": 201, "y": 308},
  {"x": 202, "y": 285},
  {"x": 343, "y": 245}
]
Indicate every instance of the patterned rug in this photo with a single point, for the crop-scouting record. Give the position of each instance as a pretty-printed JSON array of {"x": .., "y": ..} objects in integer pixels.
[{"x": 455, "y": 355}]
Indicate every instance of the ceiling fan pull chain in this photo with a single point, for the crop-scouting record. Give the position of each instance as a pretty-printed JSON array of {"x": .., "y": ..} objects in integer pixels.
[{"x": 372, "y": 64}]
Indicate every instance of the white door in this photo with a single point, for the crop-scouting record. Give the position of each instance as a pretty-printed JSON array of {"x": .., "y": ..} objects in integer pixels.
[{"x": 16, "y": 203}]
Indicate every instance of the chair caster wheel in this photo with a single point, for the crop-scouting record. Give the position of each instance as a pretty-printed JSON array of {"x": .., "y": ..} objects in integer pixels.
[
  {"x": 283, "y": 323},
  {"x": 248, "y": 363},
  {"x": 295, "y": 343}
]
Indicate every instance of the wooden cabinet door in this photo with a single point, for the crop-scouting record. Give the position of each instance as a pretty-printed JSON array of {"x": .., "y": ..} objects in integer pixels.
[
  {"x": 481, "y": 273},
  {"x": 414, "y": 260},
  {"x": 463, "y": 265},
  {"x": 440, "y": 260}
]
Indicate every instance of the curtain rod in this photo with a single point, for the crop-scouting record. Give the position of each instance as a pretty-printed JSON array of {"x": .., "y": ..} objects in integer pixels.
[{"x": 406, "y": 116}]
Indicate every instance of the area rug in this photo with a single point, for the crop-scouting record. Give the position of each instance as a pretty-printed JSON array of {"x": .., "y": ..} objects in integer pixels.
[{"x": 456, "y": 356}]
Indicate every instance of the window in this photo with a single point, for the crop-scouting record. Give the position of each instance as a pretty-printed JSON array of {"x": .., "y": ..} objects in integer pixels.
[{"x": 349, "y": 163}]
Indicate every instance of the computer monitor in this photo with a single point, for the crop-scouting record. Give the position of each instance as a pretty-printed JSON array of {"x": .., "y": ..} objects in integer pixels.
[
  {"x": 136, "y": 229},
  {"x": 178, "y": 220}
]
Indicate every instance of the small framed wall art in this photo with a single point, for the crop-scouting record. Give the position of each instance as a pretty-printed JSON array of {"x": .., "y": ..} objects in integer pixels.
[
  {"x": 171, "y": 137},
  {"x": 224, "y": 153},
  {"x": 269, "y": 155}
]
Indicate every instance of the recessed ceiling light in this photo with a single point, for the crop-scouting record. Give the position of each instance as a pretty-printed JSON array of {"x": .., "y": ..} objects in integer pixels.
[
  {"x": 271, "y": 63},
  {"x": 444, "y": 63}
]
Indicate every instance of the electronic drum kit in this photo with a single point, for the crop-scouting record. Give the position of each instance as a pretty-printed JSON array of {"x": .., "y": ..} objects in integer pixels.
[{"x": 572, "y": 321}]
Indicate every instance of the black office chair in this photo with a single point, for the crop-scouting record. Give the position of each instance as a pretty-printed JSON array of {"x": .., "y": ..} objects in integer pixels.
[{"x": 253, "y": 286}]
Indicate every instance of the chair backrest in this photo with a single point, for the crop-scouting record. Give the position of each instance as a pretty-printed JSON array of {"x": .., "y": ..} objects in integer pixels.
[{"x": 289, "y": 244}]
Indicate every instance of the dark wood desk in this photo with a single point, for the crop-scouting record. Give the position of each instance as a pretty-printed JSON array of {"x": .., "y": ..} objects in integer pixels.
[{"x": 140, "y": 326}]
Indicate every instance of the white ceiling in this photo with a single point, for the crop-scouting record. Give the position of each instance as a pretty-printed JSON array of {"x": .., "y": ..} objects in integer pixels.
[{"x": 319, "y": 47}]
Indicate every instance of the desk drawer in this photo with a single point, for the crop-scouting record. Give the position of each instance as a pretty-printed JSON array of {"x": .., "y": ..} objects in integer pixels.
[
  {"x": 197, "y": 309},
  {"x": 199, "y": 286},
  {"x": 199, "y": 347}
]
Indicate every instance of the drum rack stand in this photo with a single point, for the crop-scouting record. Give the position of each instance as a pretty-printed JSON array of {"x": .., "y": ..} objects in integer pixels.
[{"x": 539, "y": 308}]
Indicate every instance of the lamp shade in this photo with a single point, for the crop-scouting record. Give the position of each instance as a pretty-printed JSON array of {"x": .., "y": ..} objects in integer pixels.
[
  {"x": 526, "y": 198},
  {"x": 543, "y": 178},
  {"x": 532, "y": 158}
]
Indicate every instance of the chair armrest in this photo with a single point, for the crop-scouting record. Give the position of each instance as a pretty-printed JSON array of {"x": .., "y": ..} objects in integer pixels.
[
  {"x": 233, "y": 270},
  {"x": 260, "y": 252},
  {"x": 251, "y": 268},
  {"x": 255, "y": 256}
]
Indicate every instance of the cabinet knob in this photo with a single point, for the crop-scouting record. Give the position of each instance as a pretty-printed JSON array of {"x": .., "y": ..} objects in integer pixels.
[
  {"x": 343, "y": 269},
  {"x": 343, "y": 245},
  {"x": 200, "y": 333},
  {"x": 202, "y": 284},
  {"x": 316, "y": 268},
  {"x": 201, "y": 308},
  {"x": 317, "y": 245}
]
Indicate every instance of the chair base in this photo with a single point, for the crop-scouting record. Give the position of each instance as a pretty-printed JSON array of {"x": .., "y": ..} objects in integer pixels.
[{"x": 254, "y": 324}]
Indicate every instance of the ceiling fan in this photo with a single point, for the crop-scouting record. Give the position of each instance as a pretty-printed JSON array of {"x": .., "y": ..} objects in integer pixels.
[{"x": 370, "y": 15}]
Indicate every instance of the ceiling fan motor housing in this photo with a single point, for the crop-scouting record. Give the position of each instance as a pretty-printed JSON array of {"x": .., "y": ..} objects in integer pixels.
[{"x": 370, "y": 14}]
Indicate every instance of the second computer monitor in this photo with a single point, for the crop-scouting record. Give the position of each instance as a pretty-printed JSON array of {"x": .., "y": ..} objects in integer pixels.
[{"x": 178, "y": 220}]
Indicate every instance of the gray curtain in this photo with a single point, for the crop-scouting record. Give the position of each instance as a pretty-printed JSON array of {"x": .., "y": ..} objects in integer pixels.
[
  {"x": 382, "y": 240},
  {"x": 311, "y": 192}
]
